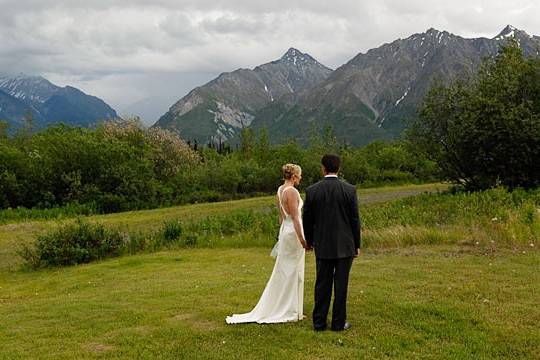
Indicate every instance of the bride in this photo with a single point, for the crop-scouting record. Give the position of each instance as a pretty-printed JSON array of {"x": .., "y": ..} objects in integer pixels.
[{"x": 283, "y": 298}]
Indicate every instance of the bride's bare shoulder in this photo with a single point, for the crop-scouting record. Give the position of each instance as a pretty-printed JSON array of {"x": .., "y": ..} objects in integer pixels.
[{"x": 293, "y": 194}]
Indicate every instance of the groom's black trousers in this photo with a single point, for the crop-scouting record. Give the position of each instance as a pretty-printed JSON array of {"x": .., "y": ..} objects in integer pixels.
[{"x": 336, "y": 272}]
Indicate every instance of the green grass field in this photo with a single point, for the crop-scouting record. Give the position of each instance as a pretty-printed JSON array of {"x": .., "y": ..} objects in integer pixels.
[
  {"x": 444, "y": 301},
  {"x": 19, "y": 232}
]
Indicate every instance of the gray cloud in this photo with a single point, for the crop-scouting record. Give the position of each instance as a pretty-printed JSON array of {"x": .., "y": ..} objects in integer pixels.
[
  {"x": 124, "y": 51},
  {"x": 235, "y": 24}
]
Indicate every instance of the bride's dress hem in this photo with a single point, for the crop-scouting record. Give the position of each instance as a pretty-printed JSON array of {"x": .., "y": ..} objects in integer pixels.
[{"x": 262, "y": 321}]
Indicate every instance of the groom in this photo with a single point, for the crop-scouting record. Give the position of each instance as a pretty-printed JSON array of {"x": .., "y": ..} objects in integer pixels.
[{"x": 332, "y": 227}]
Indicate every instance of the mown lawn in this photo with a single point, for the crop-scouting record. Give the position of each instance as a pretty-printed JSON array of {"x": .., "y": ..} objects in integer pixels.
[
  {"x": 420, "y": 302},
  {"x": 450, "y": 300}
]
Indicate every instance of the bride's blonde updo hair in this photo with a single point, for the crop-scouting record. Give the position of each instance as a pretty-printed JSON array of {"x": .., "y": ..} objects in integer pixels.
[{"x": 289, "y": 170}]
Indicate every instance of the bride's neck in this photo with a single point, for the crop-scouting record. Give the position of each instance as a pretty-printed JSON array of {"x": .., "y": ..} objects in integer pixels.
[{"x": 288, "y": 183}]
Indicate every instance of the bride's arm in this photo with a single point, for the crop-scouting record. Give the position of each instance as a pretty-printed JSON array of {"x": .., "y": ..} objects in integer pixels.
[{"x": 292, "y": 199}]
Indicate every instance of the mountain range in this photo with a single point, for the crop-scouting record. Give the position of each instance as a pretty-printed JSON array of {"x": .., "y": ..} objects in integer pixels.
[
  {"x": 372, "y": 96},
  {"x": 23, "y": 96},
  {"x": 219, "y": 109}
]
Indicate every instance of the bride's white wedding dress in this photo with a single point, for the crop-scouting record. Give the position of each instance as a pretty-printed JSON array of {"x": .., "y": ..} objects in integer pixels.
[{"x": 283, "y": 297}]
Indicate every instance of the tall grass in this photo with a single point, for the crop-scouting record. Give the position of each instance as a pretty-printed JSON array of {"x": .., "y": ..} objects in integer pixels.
[
  {"x": 494, "y": 218},
  {"x": 452, "y": 208},
  {"x": 56, "y": 213},
  {"x": 83, "y": 241}
]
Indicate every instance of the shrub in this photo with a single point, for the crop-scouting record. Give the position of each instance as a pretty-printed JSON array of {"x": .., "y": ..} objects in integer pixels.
[
  {"x": 172, "y": 230},
  {"x": 75, "y": 243},
  {"x": 190, "y": 240},
  {"x": 111, "y": 203}
]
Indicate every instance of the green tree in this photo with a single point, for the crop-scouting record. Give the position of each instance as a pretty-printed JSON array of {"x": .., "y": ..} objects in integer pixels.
[
  {"x": 248, "y": 141},
  {"x": 484, "y": 131},
  {"x": 4, "y": 126}
]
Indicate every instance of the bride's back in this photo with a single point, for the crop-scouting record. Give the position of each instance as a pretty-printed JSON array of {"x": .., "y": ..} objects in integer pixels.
[{"x": 287, "y": 198}]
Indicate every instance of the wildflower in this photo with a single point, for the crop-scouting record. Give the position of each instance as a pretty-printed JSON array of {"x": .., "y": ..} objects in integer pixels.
[{"x": 494, "y": 219}]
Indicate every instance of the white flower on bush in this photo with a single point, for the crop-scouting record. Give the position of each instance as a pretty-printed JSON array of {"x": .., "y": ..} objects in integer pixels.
[{"x": 165, "y": 149}]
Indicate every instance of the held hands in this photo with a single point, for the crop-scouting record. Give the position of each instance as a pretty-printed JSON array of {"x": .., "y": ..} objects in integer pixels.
[{"x": 305, "y": 245}]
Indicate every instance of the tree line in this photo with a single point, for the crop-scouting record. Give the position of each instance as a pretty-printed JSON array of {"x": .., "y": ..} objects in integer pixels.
[{"x": 121, "y": 166}]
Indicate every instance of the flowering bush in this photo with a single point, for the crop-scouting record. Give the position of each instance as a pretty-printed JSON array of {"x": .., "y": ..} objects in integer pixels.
[{"x": 168, "y": 153}]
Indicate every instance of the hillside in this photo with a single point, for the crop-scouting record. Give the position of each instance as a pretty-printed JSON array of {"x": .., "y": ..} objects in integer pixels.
[
  {"x": 23, "y": 96},
  {"x": 218, "y": 110}
]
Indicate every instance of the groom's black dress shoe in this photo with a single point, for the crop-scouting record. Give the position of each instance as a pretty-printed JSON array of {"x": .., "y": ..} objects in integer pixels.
[{"x": 347, "y": 326}]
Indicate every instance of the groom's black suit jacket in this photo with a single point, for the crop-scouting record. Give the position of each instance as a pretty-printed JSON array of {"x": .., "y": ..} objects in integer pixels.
[{"x": 331, "y": 219}]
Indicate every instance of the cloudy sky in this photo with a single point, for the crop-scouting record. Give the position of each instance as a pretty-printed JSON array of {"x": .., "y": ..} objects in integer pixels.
[{"x": 154, "y": 52}]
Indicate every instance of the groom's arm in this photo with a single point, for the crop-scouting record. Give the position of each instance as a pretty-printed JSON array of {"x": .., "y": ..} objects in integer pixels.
[
  {"x": 355, "y": 220},
  {"x": 307, "y": 219}
]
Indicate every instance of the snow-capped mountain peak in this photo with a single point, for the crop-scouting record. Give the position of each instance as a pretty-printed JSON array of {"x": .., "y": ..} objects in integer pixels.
[
  {"x": 29, "y": 88},
  {"x": 508, "y": 32},
  {"x": 294, "y": 56},
  {"x": 297, "y": 58},
  {"x": 48, "y": 103}
]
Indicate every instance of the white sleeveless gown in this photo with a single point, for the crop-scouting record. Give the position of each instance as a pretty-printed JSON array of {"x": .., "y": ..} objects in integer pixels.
[{"x": 283, "y": 297}]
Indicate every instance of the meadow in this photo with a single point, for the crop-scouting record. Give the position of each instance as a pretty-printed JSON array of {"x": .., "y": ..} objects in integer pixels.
[{"x": 441, "y": 276}]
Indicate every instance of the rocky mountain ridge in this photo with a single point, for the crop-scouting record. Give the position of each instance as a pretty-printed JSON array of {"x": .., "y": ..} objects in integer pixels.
[
  {"x": 375, "y": 94},
  {"x": 217, "y": 110},
  {"x": 22, "y": 96}
]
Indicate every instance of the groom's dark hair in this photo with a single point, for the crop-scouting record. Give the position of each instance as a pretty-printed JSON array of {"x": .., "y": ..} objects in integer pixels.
[{"x": 331, "y": 163}]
